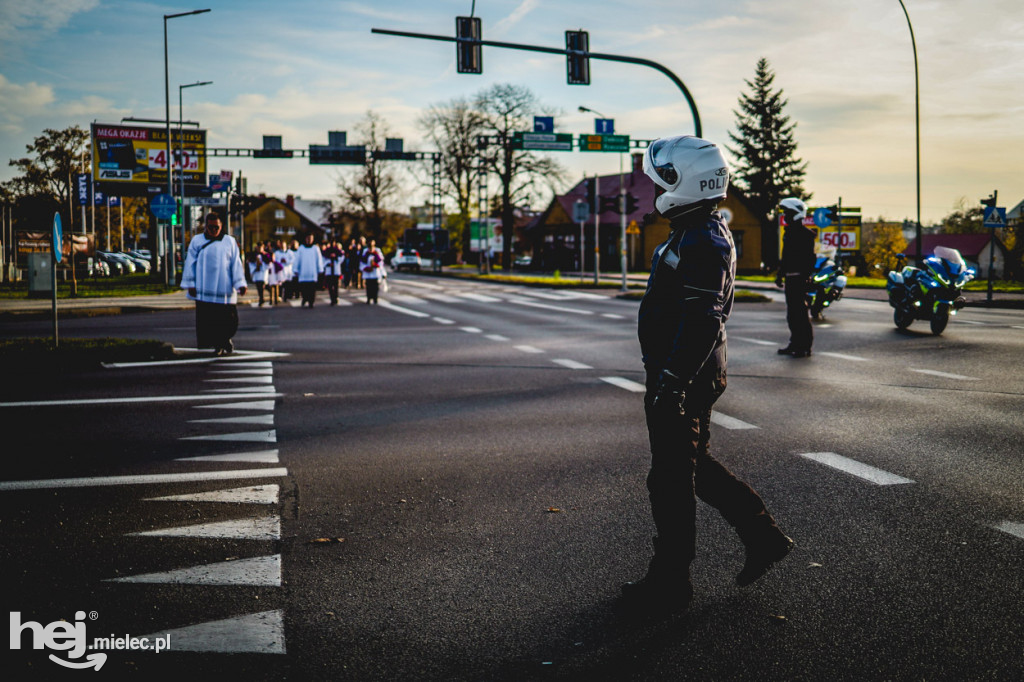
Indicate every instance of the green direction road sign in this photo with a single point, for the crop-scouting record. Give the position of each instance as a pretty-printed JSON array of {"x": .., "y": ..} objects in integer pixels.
[
  {"x": 604, "y": 143},
  {"x": 552, "y": 142}
]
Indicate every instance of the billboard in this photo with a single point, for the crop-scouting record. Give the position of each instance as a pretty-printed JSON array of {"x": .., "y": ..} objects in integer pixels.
[{"x": 129, "y": 160}]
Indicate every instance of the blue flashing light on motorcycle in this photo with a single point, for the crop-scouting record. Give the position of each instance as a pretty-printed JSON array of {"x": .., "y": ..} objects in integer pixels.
[{"x": 930, "y": 293}]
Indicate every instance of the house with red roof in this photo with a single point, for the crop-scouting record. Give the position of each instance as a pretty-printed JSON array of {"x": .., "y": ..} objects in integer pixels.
[
  {"x": 975, "y": 249},
  {"x": 555, "y": 240}
]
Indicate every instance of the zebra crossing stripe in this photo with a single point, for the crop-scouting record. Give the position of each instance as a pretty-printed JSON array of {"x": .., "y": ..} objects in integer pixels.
[
  {"x": 259, "y": 528},
  {"x": 259, "y": 494},
  {"x": 141, "y": 479},
  {"x": 265, "y": 419},
  {"x": 242, "y": 380},
  {"x": 254, "y": 633},
  {"x": 858, "y": 469},
  {"x": 260, "y": 457},
  {"x": 263, "y": 571},
  {"x": 254, "y": 405},
  {"x": 245, "y": 437}
]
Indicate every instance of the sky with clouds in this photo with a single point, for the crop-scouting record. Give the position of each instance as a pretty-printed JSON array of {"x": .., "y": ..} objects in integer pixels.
[{"x": 303, "y": 67}]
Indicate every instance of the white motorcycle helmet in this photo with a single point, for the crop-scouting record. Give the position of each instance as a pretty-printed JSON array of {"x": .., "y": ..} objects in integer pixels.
[
  {"x": 797, "y": 207},
  {"x": 690, "y": 170}
]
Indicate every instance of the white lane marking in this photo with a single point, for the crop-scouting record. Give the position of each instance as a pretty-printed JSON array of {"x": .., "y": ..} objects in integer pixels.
[
  {"x": 264, "y": 571},
  {"x": 443, "y": 320},
  {"x": 259, "y": 528},
  {"x": 843, "y": 356},
  {"x": 944, "y": 375},
  {"x": 545, "y": 306},
  {"x": 258, "y": 494},
  {"x": 859, "y": 469},
  {"x": 257, "y": 457},
  {"x": 480, "y": 297},
  {"x": 255, "y": 633},
  {"x": 422, "y": 285},
  {"x": 243, "y": 365},
  {"x": 255, "y": 392},
  {"x": 528, "y": 349},
  {"x": 263, "y": 419},
  {"x": 406, "y": 298},
  {"x": 443, "y": 298},
  {"x": 731, "y": 423},
  {"x": 255, "y": 405},
  {"x": 245, "y": 372},
  {"x": 570, "y": 364},
  {"x": 295, "y": 303},
  {"x": 1016, "y": 326},
  {"x": 750, "y": 340},
  {"x": 471, "y": 330},
  {"x": 404, "y": 311},
  {"x": 613, "y": 316},
  {"x": 242, "y": 380},
  {"x": 497, "y": 337},
  {"x": 237, "y": 356},
  {"x": 143, "y": 479},
  {"x": 244, "y": 437},
  {"x": 970, "y": 322},
  {"x": 1011, "y": 527},
  {"x": 625, "y": 383}
]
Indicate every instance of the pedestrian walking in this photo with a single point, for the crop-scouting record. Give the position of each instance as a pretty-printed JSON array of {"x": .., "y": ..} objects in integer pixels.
[
  {"x": 372, "y": 268},
  {"x": 309, "y": 267},
  {"x": 681, "y": 327},
  {"x": 284, "y": 256},
  {"x": 214, "y": 277},
  {"x": 274, "y": 274},
  {"x": 795, "y": 269},
  {"x": 258, "y": 271},
  {"x": 334, "y": 264}
]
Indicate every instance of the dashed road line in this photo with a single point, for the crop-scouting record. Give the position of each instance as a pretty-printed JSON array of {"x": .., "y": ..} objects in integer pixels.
[
  {"x": 545, "y": 306},
  {"x": 141, "y": 479},
  {"x": 443, "y": 320},
  {"x": 760, "y": 342},
  {"x": 471, "y": 330},
  {"x": 497, "y": 337},
  {"x": 944, "y": 375},
  {"x": 528, "y": 349},
  {"x": 480, "y": 297},
  {"x": 859, "y": 469},
  {"x": 625, "y": 383},
  {"x": 843, "y": 356},
  {"x": 570, "y": 364},
  {"x": 613, "y": 316},
  {"x": 404, "y": 311},
  {"x": 731, "y": 423}
]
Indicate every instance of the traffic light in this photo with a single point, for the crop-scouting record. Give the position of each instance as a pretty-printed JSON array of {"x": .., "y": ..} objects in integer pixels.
[
  {"x": 832, "y": 213},
  {"x": 591, "y": 196},
  {"x": 468, "y": 51},
  {"x": 577, "y": 44},
  {"x": 990, "y": 202}
]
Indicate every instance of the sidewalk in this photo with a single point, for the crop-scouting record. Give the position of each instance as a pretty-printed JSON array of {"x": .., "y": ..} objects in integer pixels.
[{"x": 109, "y": 305}]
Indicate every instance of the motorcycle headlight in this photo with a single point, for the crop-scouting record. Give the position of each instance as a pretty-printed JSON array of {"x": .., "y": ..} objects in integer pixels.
[{"x": 820, "y": 278}]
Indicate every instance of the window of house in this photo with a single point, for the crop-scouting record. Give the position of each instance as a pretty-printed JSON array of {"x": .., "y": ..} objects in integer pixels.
[{"x": 737, "y": 238}]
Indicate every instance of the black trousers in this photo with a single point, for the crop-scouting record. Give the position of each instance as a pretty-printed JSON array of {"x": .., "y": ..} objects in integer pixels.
[
  {"x": 798, "y": 316},
  {"x": 216, "y": 324},
  {"x": 332, "y": 287},
  {"x": 259, "y": 290},
  {"x": 372, "y": 288},
  {"x": 308, "y": 290},
  {"x": 682, "y": 469}
]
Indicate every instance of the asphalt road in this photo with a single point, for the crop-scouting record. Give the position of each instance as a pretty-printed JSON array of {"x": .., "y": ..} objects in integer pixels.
[{"x": 451, "y": 486}]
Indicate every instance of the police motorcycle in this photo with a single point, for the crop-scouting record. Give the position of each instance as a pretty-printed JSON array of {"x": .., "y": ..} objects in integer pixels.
[
  {"x": 826, "y": 285},
  {"x": 930, "y": 293}
]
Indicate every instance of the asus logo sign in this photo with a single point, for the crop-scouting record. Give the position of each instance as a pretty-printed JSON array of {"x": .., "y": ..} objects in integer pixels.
[{"x": 116, "y": 174}]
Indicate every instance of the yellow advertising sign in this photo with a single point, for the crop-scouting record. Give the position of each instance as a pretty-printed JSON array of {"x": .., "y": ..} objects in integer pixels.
[{"x": 126, "y": 159}]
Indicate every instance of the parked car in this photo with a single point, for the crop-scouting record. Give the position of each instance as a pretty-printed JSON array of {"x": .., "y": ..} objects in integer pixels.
[
  {"x": 406, "y": 258},
  {"x": 141, "y": 264},
  {"x": 115, "y": 266}
]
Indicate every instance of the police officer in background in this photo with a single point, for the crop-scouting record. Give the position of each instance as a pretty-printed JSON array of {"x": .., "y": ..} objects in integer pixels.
[
  {"x": 682, "y": 337},
  {"x": 795, "y": 271}
]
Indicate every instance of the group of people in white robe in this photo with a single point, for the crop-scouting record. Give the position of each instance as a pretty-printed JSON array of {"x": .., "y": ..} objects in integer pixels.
[{"x": 280, "y": 273}]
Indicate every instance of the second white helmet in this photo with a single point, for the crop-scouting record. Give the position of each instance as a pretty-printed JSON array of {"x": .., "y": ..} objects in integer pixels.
[
  {"x": 795, "y": 206},
  {"x": 690, "y": 170}
]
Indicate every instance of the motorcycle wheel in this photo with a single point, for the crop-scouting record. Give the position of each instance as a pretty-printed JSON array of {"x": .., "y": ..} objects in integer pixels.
[
  {"x": 902, "y": 317},
  {"x": 939, "y": 321}
]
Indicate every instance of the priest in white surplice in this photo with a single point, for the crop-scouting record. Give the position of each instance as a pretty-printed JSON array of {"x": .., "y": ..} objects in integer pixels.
[
  {"x": 309, "y": 265},
  {"x": 213, "y": 273}
]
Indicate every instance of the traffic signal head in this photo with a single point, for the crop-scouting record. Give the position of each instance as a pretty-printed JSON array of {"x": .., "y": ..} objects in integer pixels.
[
  {"x": 577, "y": 45},
  {"x": 832, "y": 213},
  {"x": 468, "y": 51},
  {"x": 591, "y": 195},
  {"x": 990, "y": 202}
]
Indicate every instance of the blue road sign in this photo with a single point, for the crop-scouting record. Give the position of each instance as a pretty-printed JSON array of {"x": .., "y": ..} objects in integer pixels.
[
  {"x": 163, "y": 206},
  {"x": 995, "y": 216},
  {"x": 604, "y": 126},
  {"x": 58, "y": 238},
  {"x": 543, "y": 124},
  {"x": 580, "y": 212},
  {"x": 83, "y": 182},
  {"x": 821, "y": 218}
]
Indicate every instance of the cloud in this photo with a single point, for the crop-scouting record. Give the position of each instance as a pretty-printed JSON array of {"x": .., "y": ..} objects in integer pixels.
[
  {"x": 20, "y": 102},
  {"x": 517, "y": 15},
  {"x": 23, "y": 23}
]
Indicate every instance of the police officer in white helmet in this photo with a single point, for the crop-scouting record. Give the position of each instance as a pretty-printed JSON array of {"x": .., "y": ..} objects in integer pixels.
[
  {"x": 682, "y": 337},
  {"x": 795, "y": 269}
]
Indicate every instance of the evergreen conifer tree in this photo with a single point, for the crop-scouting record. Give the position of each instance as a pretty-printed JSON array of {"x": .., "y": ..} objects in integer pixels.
[{"x": 767, "y": 169}]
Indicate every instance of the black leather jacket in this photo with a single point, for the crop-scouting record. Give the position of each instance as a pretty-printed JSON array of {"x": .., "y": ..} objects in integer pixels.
[
  {"x": 797, "y": 250},
  {"x": 689, "y": 297}
]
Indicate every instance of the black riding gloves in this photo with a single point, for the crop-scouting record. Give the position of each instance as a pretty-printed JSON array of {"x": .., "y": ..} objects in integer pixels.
[{"x": 670, "y": 393}]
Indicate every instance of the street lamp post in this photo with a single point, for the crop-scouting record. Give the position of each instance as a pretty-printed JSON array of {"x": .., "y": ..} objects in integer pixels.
[
  {"x": 181, "y": 155},
  {"x": 622, "y": 212},
  {"x": 168, "y": 275},
  {"x": 917, "y": 134}
]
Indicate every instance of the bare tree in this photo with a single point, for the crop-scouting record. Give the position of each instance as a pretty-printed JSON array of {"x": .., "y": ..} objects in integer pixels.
[
  {"x": 507, "y": 109},
  {"x": 453, "y": 128},
  {"x": 366, "y": 193}
]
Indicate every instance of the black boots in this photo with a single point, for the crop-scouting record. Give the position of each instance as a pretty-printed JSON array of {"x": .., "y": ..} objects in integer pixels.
[
  {"x": 665, "y": 590},
  {"x": 762, "y": 551}
]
